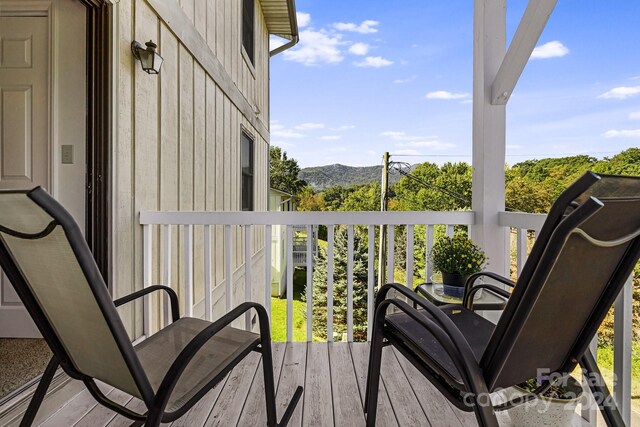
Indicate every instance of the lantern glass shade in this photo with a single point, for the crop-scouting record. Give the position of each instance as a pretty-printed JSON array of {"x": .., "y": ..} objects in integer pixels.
[{"x": 150, "y": 60}]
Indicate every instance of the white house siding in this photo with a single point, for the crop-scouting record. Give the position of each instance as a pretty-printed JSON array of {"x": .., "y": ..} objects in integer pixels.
[{"x": 177, "y": 144}]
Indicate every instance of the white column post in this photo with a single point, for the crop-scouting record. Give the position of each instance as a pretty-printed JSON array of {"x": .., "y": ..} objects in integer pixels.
[{"x": 489, "y": 123}]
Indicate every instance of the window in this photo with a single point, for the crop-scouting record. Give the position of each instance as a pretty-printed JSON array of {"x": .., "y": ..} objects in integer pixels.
[
  {"x": 248, "y": 12},
  {"x": 247, "y": 172}
]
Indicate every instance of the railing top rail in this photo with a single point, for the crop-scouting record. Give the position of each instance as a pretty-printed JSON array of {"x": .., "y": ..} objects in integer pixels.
[
  {"x": 524, "y": 220},
  {"x": 315, "y": 218}
]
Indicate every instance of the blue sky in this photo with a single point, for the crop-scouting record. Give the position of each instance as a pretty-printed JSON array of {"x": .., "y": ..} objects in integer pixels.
[{"x": 379, "y": 75}]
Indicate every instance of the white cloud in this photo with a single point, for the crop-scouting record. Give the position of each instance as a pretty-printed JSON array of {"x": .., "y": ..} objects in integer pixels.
[
  {"x": 303, "y": 19},
  {"x": 282, "y": 132},
  {"x": 371, "y": 152},
  {"x": 275, "y": 42},
  {"x": 635, "y": 115},
  {"x": 343, "y": 128},
  {"x": 360, "y": 49},
  {"x": 433, "y": 144},
  {"x": 625, "y": 133},
  {"x": 330, "y": 137},
  {"x": 400, "y": 136},
  {"x": 310, "y": 126},
  {"x": 513, "y": 146},
  {"x": 621, "y": 92},
  {"x": 337, "y": 149},
  {"x": 443, "y": 94},
  {"x": 366, "y": 27},
  {"x": 406, "y": 152},
  {"x": 407, "y": 80},
  {"x": 553, "y": 49},
  {"x": 315, "y": 47},
  {"x": 282, "y": 144},
  {"x": 374, "y": 61}
]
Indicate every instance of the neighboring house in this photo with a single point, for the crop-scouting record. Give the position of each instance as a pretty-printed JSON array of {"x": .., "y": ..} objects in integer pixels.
[
  {"x": 81, "y": 118},
  {"x": 279, "y": 201}
]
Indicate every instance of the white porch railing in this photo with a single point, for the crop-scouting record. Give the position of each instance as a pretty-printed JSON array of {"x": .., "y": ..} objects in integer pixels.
[
  {"x": 166, "y": 225},
  {"x": 523, "y": 224},
  {"x": 168, "y": 222}
]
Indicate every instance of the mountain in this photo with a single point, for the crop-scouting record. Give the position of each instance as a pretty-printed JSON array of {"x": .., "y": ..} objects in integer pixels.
[{"x": 323, "y": 177}]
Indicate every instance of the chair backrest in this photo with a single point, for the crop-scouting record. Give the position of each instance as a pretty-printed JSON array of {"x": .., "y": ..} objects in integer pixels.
[
  {"x": 586, "y": 251},
  {"x": 45, "y": 256}
]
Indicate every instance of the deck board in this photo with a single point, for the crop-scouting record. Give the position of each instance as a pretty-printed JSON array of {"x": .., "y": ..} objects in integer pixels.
[
  {"x": 334, "y": 376},
  {"x": 403, "y": 400},
  {"x": 360, "y": 355},
  {"x": 255, "y": 411},
  {"x": 437, "y": 408},
  {"x": 347, "y": 405},
  {"x": 318, "y": 401},
  {"x": 292, "y": 375},
  {"x": 228, "y": 408}
]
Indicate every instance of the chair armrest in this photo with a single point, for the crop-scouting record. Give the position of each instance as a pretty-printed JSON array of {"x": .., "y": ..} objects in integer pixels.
[
  {"x": 173, "y": 298},
  {"x": 490, "y": 274},
  {"x": 467, "y": 300},
  {"x": 182, "y": 361}
]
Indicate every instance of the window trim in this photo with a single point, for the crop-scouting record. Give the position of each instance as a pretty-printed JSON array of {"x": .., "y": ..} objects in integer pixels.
[
  {"x": 250, "y": 55},
  {"x": 244, "y": 132}
]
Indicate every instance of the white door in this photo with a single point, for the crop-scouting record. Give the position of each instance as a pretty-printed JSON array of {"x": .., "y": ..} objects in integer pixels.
[{"x": 42, "y": 119}]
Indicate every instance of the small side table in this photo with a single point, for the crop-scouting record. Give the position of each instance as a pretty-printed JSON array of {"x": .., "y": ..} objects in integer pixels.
[{"x": 435, "y": 294}]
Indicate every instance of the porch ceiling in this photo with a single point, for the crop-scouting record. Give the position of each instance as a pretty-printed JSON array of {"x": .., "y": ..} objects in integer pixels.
[{"x": 281, "y": 17}]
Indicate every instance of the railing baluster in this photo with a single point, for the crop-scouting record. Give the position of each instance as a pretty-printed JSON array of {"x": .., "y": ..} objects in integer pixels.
[
  {"x": 428, "y": 263},
  {"x": 207, "y": 273},
  {"x": 147, "y": 271},
  {"x": 289, "y": 283},
  {"x": 391, "y": 245},
  {"x": 166, "y": 272},
  {"x": 309, "y": 283},
  {"x": 330, "y": 231},
  {"x": 521, "y": 251},
  {"x": 589, "y": 409},
  {"x": 350, "y": 283},
  {"x": 227, "y": 268},
  {"x": 247, "y": 275},
  {"x": 409, "y": 253},
  {"x": 267, "y": 269},
  {"x": 188, "y": 270},
  {"x": 622, "y": 350},
  {"x": 370, "y": 280},
  {"x": 450, "y": 230}
]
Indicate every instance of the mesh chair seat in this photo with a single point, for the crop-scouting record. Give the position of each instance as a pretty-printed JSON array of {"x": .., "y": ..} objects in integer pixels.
[
  {"x": 476, "y": 329},
  {"x": 159, "y": 351}
]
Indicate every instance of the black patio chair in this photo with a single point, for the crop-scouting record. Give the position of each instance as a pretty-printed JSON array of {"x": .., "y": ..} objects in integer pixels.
[
  {"x": 44, "y": 255},
  {"x": 586, "y": 250}
]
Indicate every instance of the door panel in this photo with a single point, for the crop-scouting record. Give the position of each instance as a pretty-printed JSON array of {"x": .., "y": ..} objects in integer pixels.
[{"x": 24, "y": 134}]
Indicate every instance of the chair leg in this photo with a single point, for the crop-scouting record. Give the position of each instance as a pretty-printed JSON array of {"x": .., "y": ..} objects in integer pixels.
[
  {"x": 269, "y": 384},
  {"x": 373, "y": 376},
  {"x": 40, "y": 393},
  {"x": 606, "y": 404}
]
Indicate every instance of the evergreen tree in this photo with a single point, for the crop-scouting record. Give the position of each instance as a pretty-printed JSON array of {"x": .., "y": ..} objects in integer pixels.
[{"x": 360, "y": 278}]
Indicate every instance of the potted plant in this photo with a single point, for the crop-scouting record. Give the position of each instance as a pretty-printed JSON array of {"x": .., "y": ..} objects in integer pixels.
[
  {"x": 456, "y": 258},
  {"x": 555, "y": 407}
]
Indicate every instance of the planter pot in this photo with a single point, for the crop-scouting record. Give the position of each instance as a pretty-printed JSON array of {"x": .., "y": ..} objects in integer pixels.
[
  {"x": 453, "y": 284},
  {"x": 544, "y": 411}
]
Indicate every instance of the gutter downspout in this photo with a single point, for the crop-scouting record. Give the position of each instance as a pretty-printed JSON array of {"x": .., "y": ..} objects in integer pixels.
[
  {"x": 294, "y": 30},
  {"x": 285, "y": 46}
]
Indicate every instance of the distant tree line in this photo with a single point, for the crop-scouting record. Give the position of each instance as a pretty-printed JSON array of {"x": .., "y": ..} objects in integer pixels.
[{"x": 530, "y": 186}]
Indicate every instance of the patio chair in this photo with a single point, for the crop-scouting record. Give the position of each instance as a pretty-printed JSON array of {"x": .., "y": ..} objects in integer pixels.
[
  {"x": 44, "y": 255},
  {"x": 586, "y": 250}
]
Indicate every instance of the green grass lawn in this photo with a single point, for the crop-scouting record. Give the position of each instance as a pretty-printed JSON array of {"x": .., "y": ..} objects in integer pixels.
[
  {"x": 279, "y": 311},
  {"x": 605, "y": 362}
]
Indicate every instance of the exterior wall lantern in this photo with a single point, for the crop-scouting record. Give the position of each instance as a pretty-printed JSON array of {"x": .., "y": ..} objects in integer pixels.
[{"x": 150, "y": 60}]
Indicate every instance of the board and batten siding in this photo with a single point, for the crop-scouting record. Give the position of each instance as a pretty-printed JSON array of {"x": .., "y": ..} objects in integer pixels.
[{"x": 177, "y": 142}]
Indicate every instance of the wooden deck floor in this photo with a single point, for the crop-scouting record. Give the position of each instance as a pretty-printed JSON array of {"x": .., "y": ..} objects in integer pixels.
[{"x": 334, "y": 378}]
